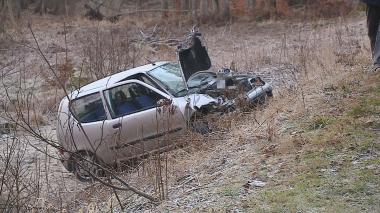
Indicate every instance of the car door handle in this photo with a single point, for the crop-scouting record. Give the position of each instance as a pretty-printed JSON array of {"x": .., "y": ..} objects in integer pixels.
[{"x": 116, "y": 126}]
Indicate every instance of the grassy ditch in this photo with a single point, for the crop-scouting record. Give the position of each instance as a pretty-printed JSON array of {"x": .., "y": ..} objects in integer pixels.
[{"x": 337, "y": 168}]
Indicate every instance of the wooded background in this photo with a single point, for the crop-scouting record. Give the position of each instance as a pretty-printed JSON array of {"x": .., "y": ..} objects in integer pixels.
[{"x": 198, "y": 10}]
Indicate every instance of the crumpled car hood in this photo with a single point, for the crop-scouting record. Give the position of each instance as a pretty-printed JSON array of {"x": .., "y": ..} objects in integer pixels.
[
  {"x": 199, "y": 100},
  {"x": 194, "y": 102}
]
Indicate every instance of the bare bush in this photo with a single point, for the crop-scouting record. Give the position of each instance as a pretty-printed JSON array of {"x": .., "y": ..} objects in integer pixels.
[
  {"x": 107, "y": 52},
  {"x": 18, "y": 186},
  {"x": 64, "y": 73},
  {"x": 331, "y": 8},
  {"x": 23, "y": 104}
]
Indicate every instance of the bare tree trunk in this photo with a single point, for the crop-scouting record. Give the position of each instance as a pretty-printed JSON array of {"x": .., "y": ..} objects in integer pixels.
[
  {"x": 43, "y": 7},
  {"x": 40, "y": 8},
  {"x": 2, "y": 16},
  {"x": 215, "y": 8},
  {"x": 185, "y": 4},
  {"x": 250, "y": 5},
  {"x": 177, "y": 6},
  {"x": 282, "y": 8},
  {"x": 194, "y": 9},
  {"x": 54, "y": 6},
  {"x": 18, "y": 8},
  {"x": 10, "y": 12},
  {"x": 66, "y": 13},
  {"x": 204, "y": 9},
  {"x": 139, "y": 7},
  {"x": 263, "y": 8},
  {"x": 57, "y": 6},
  {"x": 25, "y": 3},
  {"x": 260, "y": 4},
  {"x": 165, "y": 8},
  {"x": 226, "y": 9}
]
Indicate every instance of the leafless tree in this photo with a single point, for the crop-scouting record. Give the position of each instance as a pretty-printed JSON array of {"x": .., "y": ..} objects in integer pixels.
[
  {"x": 250, "y": 5},
  {"x": 185, "y": 4},
  {"x": 204, "y": 7},
  {"x": 139, "y": 7},
  {"x": 226, "y": 9},
  {"x": 105, "y": 53},
  {"x": 11, "y": 15},
  {"x": 165, "y": 8},
  {"x": 194, "y": 9},
  {"x": 19, "y": 187},
  {"x": 215, "y": 8},
  {"x": 2, "y": 16},
  {"x": 57, "y": 7}
]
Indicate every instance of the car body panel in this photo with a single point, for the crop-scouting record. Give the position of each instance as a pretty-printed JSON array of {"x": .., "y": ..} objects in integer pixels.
[
  {"x": 193, "y": 56},
  {"x": 137, "y": 128},
  {"x": 137, "y": 133}
]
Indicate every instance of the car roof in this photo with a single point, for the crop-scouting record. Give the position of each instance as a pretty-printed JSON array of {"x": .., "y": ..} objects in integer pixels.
[{"x": 113, "y": 79}]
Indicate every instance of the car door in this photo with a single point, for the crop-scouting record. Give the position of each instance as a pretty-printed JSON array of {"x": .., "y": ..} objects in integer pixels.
[
  {"x": 85, "y": 126},
  {"x": 137, "y": 119}
]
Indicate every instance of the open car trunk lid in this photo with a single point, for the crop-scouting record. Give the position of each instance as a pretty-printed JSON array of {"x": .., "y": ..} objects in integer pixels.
[{"x": 193, "y": 55}]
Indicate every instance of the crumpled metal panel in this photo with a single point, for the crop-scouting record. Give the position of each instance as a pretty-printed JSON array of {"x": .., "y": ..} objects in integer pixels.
[{"x": 192, "y": 55}]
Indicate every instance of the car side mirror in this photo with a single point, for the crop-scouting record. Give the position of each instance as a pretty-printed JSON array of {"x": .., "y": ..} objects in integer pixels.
[{"x": 164, "y": 102}]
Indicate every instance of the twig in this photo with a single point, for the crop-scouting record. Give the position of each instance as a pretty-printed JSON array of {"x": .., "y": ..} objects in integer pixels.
[{"x": 117, "y": 196}]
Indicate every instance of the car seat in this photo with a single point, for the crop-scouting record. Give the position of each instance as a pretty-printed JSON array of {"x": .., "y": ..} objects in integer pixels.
[
  {"x": 146, "y": 102},
  {"x": 122, "y": 105},
  {"x": 96, "y": 112},
  {"x": 143, "y": 97}
]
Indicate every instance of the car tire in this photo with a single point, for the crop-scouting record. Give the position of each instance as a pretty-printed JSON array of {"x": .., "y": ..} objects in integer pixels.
[{"x": 82, "y": 165}]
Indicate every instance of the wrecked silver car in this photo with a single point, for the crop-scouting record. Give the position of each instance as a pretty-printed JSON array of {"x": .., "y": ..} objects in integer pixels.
[{"x": 138, "y": 111}]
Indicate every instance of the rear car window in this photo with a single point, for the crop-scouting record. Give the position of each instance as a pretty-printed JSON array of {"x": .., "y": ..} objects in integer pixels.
[{"x": 88, "y": 108}]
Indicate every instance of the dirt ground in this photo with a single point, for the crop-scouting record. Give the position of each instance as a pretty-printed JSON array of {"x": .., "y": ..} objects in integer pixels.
[{"x": 292, "y": 155}]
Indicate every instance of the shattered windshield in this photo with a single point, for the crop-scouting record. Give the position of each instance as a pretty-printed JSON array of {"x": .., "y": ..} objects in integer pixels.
[{"x": 170, "y": 76}]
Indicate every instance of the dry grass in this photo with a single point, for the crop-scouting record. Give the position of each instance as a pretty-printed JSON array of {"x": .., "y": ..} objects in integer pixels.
[
  {"x": 295, "y": 144},
  {"x": 266, "y": 152},
  {"x": 321, "y": 159}
]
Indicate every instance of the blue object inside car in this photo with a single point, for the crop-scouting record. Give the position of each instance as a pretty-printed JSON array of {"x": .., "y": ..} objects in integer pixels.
[
  {"x": 145, "y": 102},
  {"x": 96, "y": 113},
  {"x": 126, "y": 108}
]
